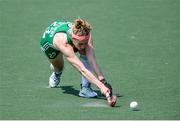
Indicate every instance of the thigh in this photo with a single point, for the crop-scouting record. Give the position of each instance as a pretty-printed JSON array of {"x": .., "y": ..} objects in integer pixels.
[
  {"x": 54, "y": 56},
  {"x": 50, "y": 51},
  {"x": 58, "y": 62}
]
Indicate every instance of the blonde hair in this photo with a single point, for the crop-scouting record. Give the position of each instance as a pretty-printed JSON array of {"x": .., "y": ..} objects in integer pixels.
[{"x": 81, "y": 27}]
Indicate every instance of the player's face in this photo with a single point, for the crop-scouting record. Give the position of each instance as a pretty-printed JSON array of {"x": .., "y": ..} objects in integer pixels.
[{"x": 80, "y": 45}]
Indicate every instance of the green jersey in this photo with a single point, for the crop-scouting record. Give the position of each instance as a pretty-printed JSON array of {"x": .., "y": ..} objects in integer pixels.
[
  {"x": 46, "y": 41},
  {"x": 54, "y": 28}
]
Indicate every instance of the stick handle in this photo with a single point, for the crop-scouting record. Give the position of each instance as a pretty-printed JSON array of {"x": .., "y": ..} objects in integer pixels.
[{"x": 108, "y": 96}]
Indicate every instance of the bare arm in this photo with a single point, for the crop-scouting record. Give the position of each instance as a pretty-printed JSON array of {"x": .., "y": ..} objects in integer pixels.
[
  {"x": 67, "y": 50},
  {"x": 92, "y": 60}
]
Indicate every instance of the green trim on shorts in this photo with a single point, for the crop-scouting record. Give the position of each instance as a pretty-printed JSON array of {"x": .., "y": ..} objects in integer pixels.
[{"x": 49, "y": 51}]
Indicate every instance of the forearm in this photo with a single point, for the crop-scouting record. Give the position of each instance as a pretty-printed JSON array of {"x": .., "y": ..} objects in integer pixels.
[
  {"x": 86, "y": 73},
  {"x": 97, "y": 70},
  {"x": 93, "y": 65},
  {"x": 92, "y": 61},
  {"x": 89, "y": 76}
]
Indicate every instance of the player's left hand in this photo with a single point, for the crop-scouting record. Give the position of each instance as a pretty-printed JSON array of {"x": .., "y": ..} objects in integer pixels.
[{"x": 108, "y": 85}]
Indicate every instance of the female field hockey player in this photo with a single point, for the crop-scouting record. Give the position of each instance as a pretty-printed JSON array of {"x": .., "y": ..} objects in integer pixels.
[{"x": 65, "y": 39}]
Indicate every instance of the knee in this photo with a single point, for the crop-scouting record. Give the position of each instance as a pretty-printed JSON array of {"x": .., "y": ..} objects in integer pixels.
[{"x": 56, "y": 68}]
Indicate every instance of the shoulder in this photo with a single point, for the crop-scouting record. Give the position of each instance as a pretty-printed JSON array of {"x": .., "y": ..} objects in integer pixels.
[
  {"x": 60, "y": 40},
  {"x": 60, "y": 37},
  {"x": 60, "y": 43}
]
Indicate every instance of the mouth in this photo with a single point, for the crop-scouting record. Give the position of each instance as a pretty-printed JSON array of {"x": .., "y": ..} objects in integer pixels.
[{"x": 81, "y": 49}]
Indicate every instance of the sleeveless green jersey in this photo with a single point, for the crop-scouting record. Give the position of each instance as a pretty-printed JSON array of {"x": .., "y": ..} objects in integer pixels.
[{"x": 57, "y": 26}]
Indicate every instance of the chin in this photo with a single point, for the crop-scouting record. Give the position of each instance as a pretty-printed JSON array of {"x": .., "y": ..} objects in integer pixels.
[{"x": 83, "y": 52}]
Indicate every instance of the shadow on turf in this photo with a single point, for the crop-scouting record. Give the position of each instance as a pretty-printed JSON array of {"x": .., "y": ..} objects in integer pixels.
[{"x": 71, "y": 90}]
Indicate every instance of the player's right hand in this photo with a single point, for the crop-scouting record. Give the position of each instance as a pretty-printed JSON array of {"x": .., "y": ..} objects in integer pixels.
[
  {"x": 111, "y": 99},
  {"x": 104, "y": 90},
  {"x": 107, "y": 92}
]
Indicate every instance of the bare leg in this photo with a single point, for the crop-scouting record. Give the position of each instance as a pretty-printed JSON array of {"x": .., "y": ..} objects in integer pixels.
[
  {"x": 86, "y": 90},
  {"x": 57, "y": 65},
  {"x": 85, "y": 82}
]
